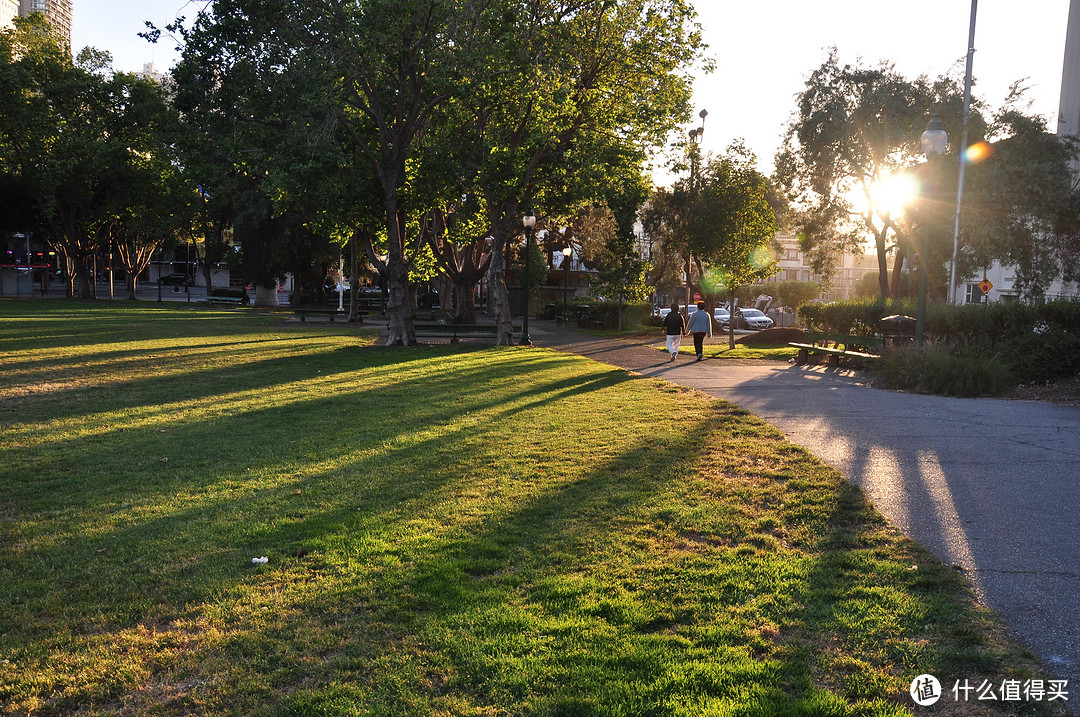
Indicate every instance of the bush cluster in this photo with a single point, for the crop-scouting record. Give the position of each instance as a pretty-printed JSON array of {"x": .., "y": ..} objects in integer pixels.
[
  {"x": 1033, "y": 343},
  {"x": 635, "y": 313},
  {"x": 936, "y": 370}
]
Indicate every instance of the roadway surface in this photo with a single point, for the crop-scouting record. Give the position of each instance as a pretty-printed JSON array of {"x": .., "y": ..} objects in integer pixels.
[{"x": 989, "y": 485}]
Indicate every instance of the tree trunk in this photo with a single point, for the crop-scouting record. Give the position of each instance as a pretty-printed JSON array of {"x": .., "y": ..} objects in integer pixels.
[
  {"x": 464, "y": 302},
  {"x": 500, "y": 297},
  {"x": 883, "y": 266},
  {"x": 398, "y": 312},
  {"x": 898, "y": 269},
  {"x": 207, "y": 274},
  {"x": 731, "y": 319},
  {"x": 354, "y": 268}
]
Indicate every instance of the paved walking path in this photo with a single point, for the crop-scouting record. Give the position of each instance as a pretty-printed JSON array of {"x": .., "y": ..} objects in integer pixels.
[{"x": 990, "y": 485}]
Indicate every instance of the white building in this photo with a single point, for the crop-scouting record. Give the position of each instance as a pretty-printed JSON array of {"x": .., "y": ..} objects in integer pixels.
[
  {"x": 9, "y": 9},
  {"x": 850, "y": 268}
]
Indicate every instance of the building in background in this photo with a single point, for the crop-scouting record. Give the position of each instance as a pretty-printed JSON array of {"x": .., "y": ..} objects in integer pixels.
[
  {"x": 57, "y": 12},
  {"x": 9, "y": 9},
  {"x": 849, "y": 269}
]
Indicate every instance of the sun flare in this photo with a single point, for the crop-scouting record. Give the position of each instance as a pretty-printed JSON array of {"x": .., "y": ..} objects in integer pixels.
[{"x": 888, "y": 197}]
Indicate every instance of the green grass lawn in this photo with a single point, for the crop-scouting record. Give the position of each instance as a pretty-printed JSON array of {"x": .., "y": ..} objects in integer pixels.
[{"x": 449, "y": 531}]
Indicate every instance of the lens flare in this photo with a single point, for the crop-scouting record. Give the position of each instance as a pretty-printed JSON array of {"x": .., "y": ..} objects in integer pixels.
[
  {"x": 761, "y": 257},
  {"x": 978, "y": 152},
  {"x": 714, "y": 280}
]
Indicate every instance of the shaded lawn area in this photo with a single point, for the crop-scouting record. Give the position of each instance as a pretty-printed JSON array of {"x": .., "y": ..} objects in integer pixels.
[{"x": 448, "y": 531}]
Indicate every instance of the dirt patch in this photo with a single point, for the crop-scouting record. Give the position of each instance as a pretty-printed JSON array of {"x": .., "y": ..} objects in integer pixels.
[
  {"x": 772, "y": 337},
  {"x": 1065, "y": 391}
]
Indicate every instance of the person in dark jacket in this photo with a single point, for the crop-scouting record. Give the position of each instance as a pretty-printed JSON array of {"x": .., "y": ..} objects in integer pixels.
[{"x": 674, "y": 328}]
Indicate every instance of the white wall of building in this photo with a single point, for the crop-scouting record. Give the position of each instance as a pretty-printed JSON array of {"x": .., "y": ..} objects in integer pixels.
[{"x": 9, "y": 9}]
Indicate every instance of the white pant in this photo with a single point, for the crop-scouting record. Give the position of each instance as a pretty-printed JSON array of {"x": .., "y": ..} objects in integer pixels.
[{"x": 673, "y": 342}]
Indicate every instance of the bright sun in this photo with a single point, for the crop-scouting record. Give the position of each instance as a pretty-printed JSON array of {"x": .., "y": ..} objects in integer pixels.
[{"x": 891, "y": 195}]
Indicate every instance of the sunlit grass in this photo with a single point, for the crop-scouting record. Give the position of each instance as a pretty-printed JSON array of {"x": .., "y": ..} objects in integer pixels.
[{"x": 448, "y": 531}]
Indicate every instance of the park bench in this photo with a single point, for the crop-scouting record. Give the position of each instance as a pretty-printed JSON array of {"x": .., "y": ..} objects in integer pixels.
[
  {"x": 330, "y": 313},
  {"x": 456, "y": 331},
  {"x": 222, "y": 301},
  {"x": 433, "y": 315},
  {"x": 866, "y": 348}
]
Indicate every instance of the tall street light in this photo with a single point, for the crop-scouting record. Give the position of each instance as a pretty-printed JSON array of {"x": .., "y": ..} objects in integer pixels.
[
  {"x": 528, "y": 221},
  {"x": 934, "y": 141},
  {"x": 695, "y": 151},
  {"x": 566, "y": 252}
]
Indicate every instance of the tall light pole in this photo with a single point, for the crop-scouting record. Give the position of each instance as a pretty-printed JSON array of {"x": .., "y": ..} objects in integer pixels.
[
  {"x": 695, "y": 151},
  {"x": 528, "y": 221},
  {"x": 963, "y": 155},
  {"x": 934, "y": 141},
  {"x": 567, "y": 252}
]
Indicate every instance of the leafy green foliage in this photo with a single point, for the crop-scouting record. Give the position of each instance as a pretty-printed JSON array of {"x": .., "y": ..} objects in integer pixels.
[
  {"x": 1022, "y": 205},
  {"x": 791, "y": 294},
  {"x": 91, "y": 148},
  {"x": 855, "y": 127}
]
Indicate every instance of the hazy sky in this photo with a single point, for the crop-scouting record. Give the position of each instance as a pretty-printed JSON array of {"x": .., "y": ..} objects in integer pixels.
[{"x": 763, "y": 50}]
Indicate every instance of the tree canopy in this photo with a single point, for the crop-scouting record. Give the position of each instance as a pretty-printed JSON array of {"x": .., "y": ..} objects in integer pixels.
[{"x": 851, "y": 166}]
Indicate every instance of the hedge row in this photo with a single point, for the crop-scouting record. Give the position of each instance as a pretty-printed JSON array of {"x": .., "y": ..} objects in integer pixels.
[{"x": 1036, "y": 342}]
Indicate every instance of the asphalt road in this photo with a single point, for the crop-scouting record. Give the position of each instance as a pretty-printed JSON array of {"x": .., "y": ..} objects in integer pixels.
[{"x": 990, "y": 485}]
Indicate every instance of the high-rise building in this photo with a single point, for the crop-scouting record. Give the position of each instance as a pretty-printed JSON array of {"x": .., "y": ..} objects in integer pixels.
[
  {"x": 1069, "y": 107},
  {"x": 57, "y": 12}
]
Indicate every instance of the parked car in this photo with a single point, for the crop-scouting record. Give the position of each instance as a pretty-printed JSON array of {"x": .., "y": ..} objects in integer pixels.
[
  {"x": 177, "y": 278},
  {"x": 721, "y": 317},
  {"x": 753, "y": 319}
]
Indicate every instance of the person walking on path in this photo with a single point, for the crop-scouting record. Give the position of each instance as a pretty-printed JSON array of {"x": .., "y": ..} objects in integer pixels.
[
  {"x": 700, "y": 325},
  {"x": 674, "y": 328}
]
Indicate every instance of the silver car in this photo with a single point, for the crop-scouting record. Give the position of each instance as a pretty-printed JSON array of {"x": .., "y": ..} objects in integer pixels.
[{"x": 755, "y": 319}]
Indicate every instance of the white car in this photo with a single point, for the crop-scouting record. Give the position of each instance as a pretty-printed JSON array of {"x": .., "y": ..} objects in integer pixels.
[{"x": 754, "y": 319}]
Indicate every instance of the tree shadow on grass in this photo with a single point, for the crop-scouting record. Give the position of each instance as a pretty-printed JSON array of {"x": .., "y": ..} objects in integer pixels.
[{"x": 443, "y": 534}]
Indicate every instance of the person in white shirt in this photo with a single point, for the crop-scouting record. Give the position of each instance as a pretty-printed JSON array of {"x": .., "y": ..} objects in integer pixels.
[{"x": 700, "y": 325}]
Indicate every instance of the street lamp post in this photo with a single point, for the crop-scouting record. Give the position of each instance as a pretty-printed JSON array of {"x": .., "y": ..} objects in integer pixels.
[
  {"x": 528, "y": 221},
  {"x": 695, "y": 150},
  {"x": 934, "y": 141},
  {"x": 567, "y": 252}
]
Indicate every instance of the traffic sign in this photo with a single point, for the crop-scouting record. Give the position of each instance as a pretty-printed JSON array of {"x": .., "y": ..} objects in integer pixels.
[{"x": 985, "y": 285}]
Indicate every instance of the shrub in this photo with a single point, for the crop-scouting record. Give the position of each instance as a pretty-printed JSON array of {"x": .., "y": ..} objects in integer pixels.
[
  {"x": 635, "y": 313},
  {"x": 1037, "y": 343},
  {"x": 936, "y": 370}
]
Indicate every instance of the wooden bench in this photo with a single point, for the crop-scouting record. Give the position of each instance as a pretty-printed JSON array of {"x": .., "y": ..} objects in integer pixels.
[
  {"x": 222, "y": 301},
  {"x": 836, "y": 345},
  {"x": 455, "y": 331},
  {"x": 331, "y": 313},
  {"x": 432, "y": 315}
]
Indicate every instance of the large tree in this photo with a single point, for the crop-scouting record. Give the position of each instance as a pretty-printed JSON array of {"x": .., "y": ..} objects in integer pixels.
[
  {"x": 854, "y": 132},
  {"x": 723, "y": 217},
  {"x": 1022, "y": 204},
  {"x": 91, "y": 147}
]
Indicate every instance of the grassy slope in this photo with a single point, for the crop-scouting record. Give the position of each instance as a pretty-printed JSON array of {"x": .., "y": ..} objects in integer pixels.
[{"x": 449, "y": 531}]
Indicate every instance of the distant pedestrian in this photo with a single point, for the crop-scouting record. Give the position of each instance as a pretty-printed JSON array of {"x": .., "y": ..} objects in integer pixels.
[
  {"x": 700, "y": 325},
  {"x": 674, "y": 328}
]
